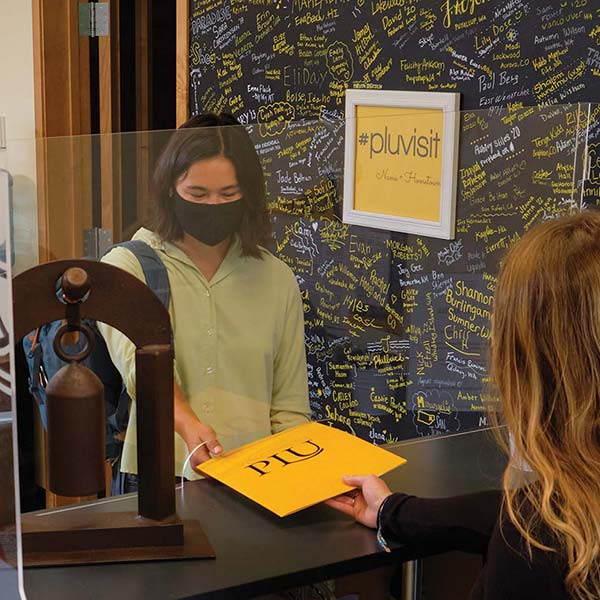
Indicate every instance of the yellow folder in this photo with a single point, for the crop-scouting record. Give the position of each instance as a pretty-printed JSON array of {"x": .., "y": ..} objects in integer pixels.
[{"x": 299, "y": 467}]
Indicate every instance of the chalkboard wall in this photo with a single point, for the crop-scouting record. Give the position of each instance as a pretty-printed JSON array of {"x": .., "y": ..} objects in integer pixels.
[{"x": 397, "y": 326}]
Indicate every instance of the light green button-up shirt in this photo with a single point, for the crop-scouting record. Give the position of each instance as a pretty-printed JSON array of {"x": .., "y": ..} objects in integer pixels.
[{"x": 239, "y": 346}]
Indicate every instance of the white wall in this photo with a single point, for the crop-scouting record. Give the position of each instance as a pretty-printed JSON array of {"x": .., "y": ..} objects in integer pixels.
[{"x": 17, "y": 106}]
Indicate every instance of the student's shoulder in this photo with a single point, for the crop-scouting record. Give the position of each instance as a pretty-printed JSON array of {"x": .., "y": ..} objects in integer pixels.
[{"x": 124, "y": 257}]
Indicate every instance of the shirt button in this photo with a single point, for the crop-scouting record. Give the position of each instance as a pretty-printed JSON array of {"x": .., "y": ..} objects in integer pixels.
[
  {"x": 210, "y": 370},
  {"x": 207, "y": 292},
  {"x": 210, "y": 332}
]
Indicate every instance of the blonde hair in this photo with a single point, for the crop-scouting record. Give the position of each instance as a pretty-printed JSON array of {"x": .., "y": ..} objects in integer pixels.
[{"x": 545, "y": 356}]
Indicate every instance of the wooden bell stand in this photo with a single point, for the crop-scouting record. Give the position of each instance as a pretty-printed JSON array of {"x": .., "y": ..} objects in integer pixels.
[{"x": 155, "y": 532}]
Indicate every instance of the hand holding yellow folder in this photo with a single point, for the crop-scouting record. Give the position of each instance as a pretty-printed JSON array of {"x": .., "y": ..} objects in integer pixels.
[{"x": 299, "y": 467}]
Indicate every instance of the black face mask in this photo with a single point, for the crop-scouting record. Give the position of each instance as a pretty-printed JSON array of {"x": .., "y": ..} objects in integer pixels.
[{"x": 209, "y": 223}]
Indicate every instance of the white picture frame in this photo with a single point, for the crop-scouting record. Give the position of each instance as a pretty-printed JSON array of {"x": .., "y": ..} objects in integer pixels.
[{"x": 439, "y": 107}]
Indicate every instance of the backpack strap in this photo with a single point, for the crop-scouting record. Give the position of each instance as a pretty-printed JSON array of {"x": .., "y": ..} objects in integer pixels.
[{"x": 154, "y": 270}]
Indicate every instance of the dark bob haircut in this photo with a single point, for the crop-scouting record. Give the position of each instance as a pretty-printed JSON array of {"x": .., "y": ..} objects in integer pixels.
[{"x": 203, "y": 137}]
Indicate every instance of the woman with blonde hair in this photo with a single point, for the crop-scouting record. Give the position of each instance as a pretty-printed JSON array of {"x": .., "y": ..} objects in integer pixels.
[{"x": 542, "y": 539}]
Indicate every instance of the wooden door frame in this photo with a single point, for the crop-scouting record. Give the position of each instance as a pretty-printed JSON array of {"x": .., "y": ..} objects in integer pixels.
[
  {"x": 109, "y": 82},
  {"x": 143, "y": 138},
  {"x": 63, "y": 153},
  {"x": 62, "y": 108},
  {"x": 182, "y": 74}
]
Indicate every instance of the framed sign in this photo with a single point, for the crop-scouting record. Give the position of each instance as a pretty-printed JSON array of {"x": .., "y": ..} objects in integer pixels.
[{"x": 401, "y": 159}]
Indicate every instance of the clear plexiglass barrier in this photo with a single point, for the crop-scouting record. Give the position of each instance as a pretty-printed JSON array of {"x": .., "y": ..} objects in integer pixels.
[{"x": 392, "y": 222}]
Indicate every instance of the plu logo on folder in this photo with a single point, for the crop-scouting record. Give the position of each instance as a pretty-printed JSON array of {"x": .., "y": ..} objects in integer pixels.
[
  {"x": 297, "y": 468},
  {"x": 286, "y": 457}
]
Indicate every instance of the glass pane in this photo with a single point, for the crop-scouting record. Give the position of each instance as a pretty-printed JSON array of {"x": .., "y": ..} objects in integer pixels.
[{"x": 396, "y": 324}]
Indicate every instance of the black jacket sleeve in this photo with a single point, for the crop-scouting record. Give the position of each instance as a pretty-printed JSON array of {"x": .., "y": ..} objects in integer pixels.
[{"x": 461, "y": 523}]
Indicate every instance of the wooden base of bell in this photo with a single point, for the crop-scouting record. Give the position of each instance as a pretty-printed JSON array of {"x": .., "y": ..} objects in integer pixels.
[{"x": 77, "y": 538}]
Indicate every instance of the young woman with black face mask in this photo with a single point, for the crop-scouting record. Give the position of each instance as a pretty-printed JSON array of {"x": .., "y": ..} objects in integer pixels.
[{"x": 236, "y": 310}]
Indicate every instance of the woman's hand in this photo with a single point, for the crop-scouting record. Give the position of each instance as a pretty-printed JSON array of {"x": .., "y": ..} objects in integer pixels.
[{"x": 362, "y": 504}]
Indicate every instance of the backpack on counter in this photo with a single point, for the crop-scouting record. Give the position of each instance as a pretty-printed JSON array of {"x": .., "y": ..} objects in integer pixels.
[{"x": 43, "y": 363}]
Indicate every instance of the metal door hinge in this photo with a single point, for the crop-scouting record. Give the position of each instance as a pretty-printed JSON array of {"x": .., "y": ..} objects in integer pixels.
[{"x": 93, "y": 19}]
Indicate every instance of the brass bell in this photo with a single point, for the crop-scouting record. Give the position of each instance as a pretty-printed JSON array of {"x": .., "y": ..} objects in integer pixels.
[{"x": 75, "y": 411}]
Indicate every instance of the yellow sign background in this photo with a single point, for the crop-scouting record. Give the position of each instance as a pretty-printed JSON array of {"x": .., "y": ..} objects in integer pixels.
[{"x": 390, "y": 176}]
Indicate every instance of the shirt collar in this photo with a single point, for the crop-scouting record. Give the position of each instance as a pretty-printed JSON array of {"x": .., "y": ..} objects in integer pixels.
[{"x": 232, "y": 259}]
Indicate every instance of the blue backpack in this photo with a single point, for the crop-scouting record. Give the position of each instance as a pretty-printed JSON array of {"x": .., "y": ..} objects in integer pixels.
[{"x": 43, "y": 363}]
